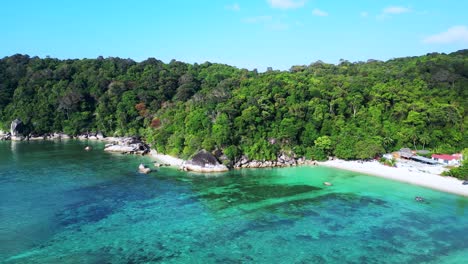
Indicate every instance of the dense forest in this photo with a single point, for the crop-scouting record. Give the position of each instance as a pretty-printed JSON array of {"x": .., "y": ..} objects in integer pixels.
[{"x": 350, "y": 110}]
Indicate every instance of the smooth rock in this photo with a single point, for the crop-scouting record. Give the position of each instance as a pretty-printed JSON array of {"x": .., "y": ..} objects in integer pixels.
[
  {"x": 6, "y": 136},
  {"x": 203, "y": 161},
  {"x": 99, "y": 136},
  {"x": 17, "y": 128},
  {"x": 119, "y": 148},
  {"x": 129, "y": 145},
  {"x": 143, "y": 169}
]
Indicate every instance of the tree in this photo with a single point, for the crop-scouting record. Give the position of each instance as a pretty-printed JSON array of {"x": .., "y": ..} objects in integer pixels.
[
  {"x": 221, "y": 130},
  {"x": 324, "y": 143},
  {"x": 350, "y": 110}
]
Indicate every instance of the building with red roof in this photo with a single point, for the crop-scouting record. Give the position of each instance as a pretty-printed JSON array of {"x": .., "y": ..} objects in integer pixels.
[{"x": 447, "y": 159}]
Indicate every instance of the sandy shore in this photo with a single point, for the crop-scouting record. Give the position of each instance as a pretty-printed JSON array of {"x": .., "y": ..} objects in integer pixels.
[
  {"x": 166, "y": 159},
  {"x": 403, "y": 173},
  {"x": 408, "y": 172}
]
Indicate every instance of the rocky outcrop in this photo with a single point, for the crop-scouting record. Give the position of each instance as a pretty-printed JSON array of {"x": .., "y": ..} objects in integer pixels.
[
  {"x": 128, "y": 145},
  {"x": 59, "y": 136},
  {"x": 158, "y": 165},
  {"x": 5, "y": 136},
  {"x": 143, "y": 169},
  {"x": 91, "y": 136},
  {"x": 203, "y": 161},
  {"x": 51, "y": 136},
  {"x": 33, "y": 137},
  {"x": 17, "y": 129},
  {"x": 283, "y": 160}
]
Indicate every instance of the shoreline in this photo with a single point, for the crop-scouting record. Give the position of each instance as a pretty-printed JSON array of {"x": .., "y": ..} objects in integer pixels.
[
  {"x": 166, "y": 159},
  {"x": 403, "y": 173},
  {"x": 428, "y": 180}
]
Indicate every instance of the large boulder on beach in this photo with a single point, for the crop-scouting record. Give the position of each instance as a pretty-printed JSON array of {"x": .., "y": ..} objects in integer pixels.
[
  {"x": 60, "y": 136},
  {"x": 100, "y": 136},
  {"x": 128, "y": 145},
  {"x": 203, "y": 161},
  {"x": 17, "y": 128}
]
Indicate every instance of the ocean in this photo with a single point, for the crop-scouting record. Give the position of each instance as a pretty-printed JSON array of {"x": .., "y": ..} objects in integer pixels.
[{"x": 61, "y": 204}]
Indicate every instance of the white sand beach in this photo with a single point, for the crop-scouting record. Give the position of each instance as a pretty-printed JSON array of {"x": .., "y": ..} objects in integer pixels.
[
  {"x": 409, "y": 172},
  {"x": 166, "y": 159}
]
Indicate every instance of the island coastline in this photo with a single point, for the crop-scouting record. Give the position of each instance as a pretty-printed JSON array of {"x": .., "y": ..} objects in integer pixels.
[
  {"x": 401, "y": 174},
  {"x": 372, "y": 168}
]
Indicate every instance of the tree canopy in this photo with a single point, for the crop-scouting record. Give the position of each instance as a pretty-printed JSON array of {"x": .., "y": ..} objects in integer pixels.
[{"x": 350, "y": 110}]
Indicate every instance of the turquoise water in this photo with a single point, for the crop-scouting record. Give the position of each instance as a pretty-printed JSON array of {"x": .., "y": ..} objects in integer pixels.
[{"x": 60, "y": 204}]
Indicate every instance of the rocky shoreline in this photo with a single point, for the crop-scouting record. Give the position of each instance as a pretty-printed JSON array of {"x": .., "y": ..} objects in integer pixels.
[
  {"x": 124, "y": 145},
  {"x": 209, "y": 163},
  {"x": 282, "y": 161},
  {"x": 127, "y": 145},
  {"x": 203, "y": 161},
  {"x": 49, "y": 136}
]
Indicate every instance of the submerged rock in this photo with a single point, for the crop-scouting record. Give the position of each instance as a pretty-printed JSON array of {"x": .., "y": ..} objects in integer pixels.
[
  {"x": 203, "y": 161},
  {"x": 143, "y": 169}
]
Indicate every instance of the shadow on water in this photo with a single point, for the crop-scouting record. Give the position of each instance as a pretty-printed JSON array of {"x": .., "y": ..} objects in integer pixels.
[
  {"x": 100, "y": 200},
  {"x": 248, "y": 194},
  {"x": 110, "y": 213}
]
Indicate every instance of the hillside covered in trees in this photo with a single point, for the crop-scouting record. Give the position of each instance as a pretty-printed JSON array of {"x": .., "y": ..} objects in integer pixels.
[{"x": 350, "y": 110}]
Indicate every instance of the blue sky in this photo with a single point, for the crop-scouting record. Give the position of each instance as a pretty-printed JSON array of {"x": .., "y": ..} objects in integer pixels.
[{"x": 244, "y": 33}]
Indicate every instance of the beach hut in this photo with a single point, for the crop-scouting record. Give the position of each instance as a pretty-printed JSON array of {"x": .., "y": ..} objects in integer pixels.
[
  {"x": 451, "y": 160},
  {"x": 406, "y": 153},
  {"x": 423, "y": 160}
]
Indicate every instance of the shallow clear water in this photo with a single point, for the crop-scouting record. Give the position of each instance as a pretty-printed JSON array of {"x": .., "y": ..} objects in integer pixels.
[{"x": 60, "y": 204}]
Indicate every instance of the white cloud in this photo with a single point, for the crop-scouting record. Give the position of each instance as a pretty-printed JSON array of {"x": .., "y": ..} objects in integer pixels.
[
  {"x": 257, "y": 19},
  {"x": 318, "y": 12},
  {"x": 364, "y": 14},
  {"x": 233, "y": 7},
  {"x": 395, "y": 10},
  {"x": 452, "y": 35},
  {"x": 286, "y": 4}
]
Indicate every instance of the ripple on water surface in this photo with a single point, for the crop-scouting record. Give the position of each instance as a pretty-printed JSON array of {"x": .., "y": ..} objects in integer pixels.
[{"x": 60, "y": 204}]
